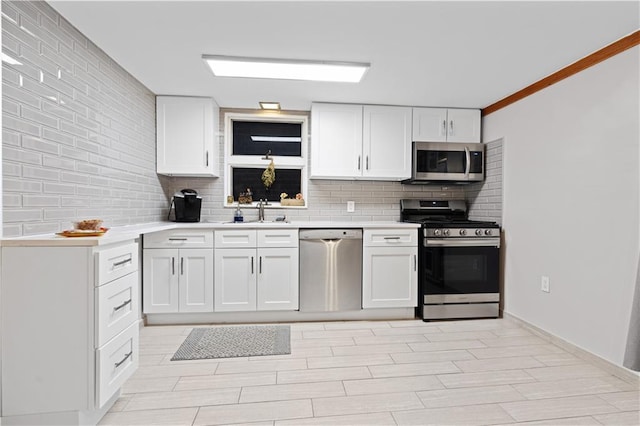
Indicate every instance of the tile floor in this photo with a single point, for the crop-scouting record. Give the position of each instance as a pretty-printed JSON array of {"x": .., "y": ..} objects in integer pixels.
[{"x": 478, "y": 372}]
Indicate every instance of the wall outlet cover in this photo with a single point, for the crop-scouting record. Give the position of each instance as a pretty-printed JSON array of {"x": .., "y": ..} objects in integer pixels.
[
  {"x": 351, "y": 206},
  {"x": 544, "y": 284}
]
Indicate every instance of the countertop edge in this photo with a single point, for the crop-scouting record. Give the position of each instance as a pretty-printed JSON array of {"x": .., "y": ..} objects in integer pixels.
[{"x": 132, "y": 232}]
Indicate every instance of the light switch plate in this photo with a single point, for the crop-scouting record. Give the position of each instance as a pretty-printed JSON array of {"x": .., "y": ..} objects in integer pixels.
[{"x": 351, "y": 206}]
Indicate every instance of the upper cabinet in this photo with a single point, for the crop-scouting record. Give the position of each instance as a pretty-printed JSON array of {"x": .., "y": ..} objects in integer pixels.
[
  {"x": 360, "y": 142},
  {"x": 446, "y": 125},
  {"x": 187, "y": 142}
]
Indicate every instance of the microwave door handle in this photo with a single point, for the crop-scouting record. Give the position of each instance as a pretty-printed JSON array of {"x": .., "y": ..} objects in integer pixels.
[{"x": 467, "y": 168}]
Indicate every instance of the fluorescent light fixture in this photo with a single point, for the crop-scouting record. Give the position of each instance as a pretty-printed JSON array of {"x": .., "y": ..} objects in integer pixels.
[
  {"x": 276, "y": 139},
  {"x": 270, "y": 105},
  {"x": 9, "y": 60},
  {"x": 229, "y": 66}
]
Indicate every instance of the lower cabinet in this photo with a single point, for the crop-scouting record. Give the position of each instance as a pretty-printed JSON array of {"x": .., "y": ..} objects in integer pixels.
[
  {"x": 178, "y": 271},
  {"x": 178, "y": 280},
  {"x": 390, "y": 268},
  {"x": 256, "y": 270},
  {"x": 70, "y": 324}
]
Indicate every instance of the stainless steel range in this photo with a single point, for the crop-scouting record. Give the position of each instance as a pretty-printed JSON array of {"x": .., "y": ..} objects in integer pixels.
[{"x": 459, "y": 261}]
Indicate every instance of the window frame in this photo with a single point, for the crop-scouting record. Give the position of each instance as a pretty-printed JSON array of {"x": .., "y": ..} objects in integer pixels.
[{"x": 255, "y": 161}]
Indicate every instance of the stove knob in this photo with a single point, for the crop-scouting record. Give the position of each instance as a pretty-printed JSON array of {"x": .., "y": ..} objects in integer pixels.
[
  {"x": 487, "y": 232},
  {"x": 445, "y": 232},
  {"x": 478, "y": 232},
  {"x": 436, "y": 232},
  {"x": 463, "y": 232}
]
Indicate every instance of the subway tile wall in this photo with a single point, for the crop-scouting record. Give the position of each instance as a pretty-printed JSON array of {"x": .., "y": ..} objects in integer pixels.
[
  {"x": 78, "y": 133},
  {"x": 485, "y": 198}
]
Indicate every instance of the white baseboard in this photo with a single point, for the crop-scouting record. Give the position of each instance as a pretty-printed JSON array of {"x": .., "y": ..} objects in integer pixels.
[{"x": 619, "y": 371}]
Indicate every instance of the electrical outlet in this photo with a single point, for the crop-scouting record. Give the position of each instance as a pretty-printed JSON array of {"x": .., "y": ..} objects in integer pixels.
[
  {"x": 351, "y": 206},
  {"x": 544, "y": 284}
]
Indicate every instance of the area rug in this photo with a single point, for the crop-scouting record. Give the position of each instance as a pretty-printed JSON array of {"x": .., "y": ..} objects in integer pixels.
[{"x": 235, "y": 341}]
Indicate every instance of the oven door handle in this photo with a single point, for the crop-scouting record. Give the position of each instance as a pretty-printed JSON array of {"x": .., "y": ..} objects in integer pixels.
[{"x": 463, "y": 242}]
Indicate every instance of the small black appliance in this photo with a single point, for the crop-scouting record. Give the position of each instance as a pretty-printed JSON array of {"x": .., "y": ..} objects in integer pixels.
[{"x": 186, "y": 204}]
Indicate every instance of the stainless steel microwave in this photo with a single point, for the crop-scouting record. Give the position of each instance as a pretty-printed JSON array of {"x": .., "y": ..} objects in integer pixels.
[{"x": 434, "y": 162}]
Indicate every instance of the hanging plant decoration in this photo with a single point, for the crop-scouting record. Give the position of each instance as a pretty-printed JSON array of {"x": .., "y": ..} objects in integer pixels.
[{"x": 269, "y": 175}]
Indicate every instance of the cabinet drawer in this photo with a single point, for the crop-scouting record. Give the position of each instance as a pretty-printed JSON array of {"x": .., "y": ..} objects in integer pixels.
[
  {"x": 237, "y": 238},
  {"x": 117, "y": 307},
  {"x": 390, "y": 237},
  {"x": 117, "y": 262},
  {"x": 116, "y": 362},
  {"x": 184, "y": 238},
  {"x": 277, "y": 238}
]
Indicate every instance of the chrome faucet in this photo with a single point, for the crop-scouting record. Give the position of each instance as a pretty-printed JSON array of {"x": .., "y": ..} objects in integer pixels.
[{"x": 260, "y": 211}]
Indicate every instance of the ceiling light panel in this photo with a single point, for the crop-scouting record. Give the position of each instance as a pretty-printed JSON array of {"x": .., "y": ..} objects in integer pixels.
[{"x": 228, "y": 66}]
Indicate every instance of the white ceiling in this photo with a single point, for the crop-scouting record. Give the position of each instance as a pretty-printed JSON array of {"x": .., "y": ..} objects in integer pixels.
[{"x": 429, "y": 53}]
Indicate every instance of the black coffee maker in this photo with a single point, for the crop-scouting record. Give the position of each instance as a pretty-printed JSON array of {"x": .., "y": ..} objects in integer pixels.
[{"x": 186, "y": 204}]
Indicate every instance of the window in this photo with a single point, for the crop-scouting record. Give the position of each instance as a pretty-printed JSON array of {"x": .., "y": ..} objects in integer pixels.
[{"x": 252, "y": 141}]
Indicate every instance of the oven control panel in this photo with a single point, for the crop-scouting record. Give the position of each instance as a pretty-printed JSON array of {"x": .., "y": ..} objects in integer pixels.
[{"x": 460, "y": 232}]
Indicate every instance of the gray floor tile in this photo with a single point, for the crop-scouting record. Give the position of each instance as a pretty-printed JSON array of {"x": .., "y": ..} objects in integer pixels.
[
  {"x": 412, "y": 357},
  {"x": 498, "y": 364},
  {"x": 391, "y": 384},
  {"x": 415, "y": 369},
  {"x": 445, "y": 346},
  {"x": 573, "y": 406},
  {"x": 566, "y": 372},
  {"x": 261, "y": 366},
  {"x": 181, "y": 399},
  {"x": 281, "y": 392},
  {"x": 168, "y": 417},
  {"x": 371, "y": 349},
  {"x": 469, "y": 396},
  {"x": 466, "y": 415},
  {"x": 374, "y": 419},
  {"x": 349, "y": 361},
  {"x": 630, "y": 418},
  {"x": 527, "y": 350},
  {"x": 491, "y": 378},
  {"x": 253, "y": 412},
  {"x": 152, "y": 384},
  {"x": 623, "y": 401},
  {"x": 220, "y": 381},
  {"x": 562, "y": 388},
  {"x": 323, "y": 374},
  {"x": 361, "y": 404}
]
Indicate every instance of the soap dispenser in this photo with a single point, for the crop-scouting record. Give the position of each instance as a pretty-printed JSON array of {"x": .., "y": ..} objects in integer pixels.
[{"x": 237, "y": 217}]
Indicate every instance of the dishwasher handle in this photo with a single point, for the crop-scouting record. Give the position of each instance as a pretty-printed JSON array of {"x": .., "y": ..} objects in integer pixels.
[{"x": 331, "y": 234}]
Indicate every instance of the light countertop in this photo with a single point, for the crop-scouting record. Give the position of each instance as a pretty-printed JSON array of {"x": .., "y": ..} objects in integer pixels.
[{"x": 131, "y": 232}]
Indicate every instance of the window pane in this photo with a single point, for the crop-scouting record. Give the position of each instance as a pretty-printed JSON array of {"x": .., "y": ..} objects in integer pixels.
[
  {"x": 258, "y": 137},
  {"x": 287, "y": 180}
]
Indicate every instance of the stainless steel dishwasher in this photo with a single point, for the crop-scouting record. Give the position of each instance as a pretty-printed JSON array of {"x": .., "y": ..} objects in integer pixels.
[{"x": 330, "y": 270}]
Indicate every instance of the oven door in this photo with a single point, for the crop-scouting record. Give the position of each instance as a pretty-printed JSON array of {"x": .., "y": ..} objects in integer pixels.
[{"x": 460, "y": 270}]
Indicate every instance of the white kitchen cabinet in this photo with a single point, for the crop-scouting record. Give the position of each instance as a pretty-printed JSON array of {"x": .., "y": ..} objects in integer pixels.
[
  {"x": 235, "y": 279},
  {"x": 446, "y": 125},
  {"x": 187, "y": 136},
  {"x": 70, "y": 321},
  {"x": 390, "y": 268},
  {"x": 360, "y": 142},
  {"x": 178, "y": 279},
  {"x": 277, "y": 285},
  {"x": 256, "y": 270}
]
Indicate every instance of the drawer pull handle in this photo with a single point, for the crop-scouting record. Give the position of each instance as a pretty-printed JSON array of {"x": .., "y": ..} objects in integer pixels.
[
  {"x": 178, "y": 239},
  {"x": 125, "y": 303},
  {"x": 391, "y": 238},
  {"x": 121, "y": 263},
  {"x": 173, "y": 265},
  {"x": 126, "y": 357},
  {"x": 182, "y": 266}
]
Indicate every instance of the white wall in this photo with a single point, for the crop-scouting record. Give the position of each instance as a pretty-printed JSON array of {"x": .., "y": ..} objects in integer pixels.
[{"x": 571, "y": 204}]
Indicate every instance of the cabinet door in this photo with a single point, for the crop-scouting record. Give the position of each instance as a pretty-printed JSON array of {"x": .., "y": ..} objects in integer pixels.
[
  {"x": 186, "y": 136},
  {"x": 429, "y": 125},
  {"x": 235, "y": 280},
  {"x": 463, "y": 125},
  {"x": 336, "y": 141},
  {"x": 387, "y": 142},
  {"x": 196, "y": 280},
  {"x": 390, "y": 277},
  {"x": 160, "y": 281},
  {"x": 277, "y": 279}
]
